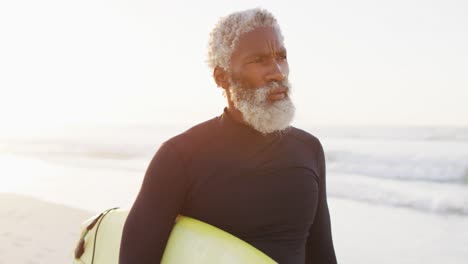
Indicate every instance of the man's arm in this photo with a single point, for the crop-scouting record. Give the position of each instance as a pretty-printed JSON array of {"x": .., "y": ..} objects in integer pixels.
[
  {"x": 151, "y": 218},
  {"x": 319, "y": 247}
]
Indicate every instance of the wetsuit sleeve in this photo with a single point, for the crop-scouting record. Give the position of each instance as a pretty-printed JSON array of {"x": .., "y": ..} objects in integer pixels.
[
  {"x": 319, "y": 248},
  {"x": 159, "y": 201}
]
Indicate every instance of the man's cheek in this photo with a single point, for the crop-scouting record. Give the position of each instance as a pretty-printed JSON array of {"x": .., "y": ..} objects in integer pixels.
[{"x": 252, "y": 79}]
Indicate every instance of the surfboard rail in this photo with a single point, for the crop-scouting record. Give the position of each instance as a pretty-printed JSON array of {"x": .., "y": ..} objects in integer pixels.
[{"x": 190, "y": 241}]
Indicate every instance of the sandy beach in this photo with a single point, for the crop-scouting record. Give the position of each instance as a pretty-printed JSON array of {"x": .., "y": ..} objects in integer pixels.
[{"x": 36, "y": 232}]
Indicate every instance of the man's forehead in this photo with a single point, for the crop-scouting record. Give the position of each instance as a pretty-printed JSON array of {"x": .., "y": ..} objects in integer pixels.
[{"x": 260, "y": 40}]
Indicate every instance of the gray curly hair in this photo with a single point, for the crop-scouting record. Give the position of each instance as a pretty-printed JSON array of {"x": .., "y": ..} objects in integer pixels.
[{"x": 226, "y": 34}]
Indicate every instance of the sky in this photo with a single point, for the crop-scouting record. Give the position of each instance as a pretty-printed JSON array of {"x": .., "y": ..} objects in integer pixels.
[{"x": 363, "y": 62}]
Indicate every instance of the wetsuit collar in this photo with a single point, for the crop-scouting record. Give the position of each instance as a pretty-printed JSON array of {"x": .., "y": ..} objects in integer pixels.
[{"x": 226, "y": 119}]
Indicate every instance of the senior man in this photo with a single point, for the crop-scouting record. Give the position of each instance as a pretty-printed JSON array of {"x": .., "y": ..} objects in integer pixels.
[{"x": 246, "y": 171}]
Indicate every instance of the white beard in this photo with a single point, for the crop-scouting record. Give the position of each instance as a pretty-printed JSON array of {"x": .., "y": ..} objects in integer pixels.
[{"x": 261, "y": 114}]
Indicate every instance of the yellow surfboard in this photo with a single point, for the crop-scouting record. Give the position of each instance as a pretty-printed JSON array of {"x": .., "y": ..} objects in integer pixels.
[{"x": 191, "y": 241}]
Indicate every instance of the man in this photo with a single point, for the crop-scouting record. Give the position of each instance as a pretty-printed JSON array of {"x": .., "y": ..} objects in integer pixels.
[{"x": 246, "y": 171}]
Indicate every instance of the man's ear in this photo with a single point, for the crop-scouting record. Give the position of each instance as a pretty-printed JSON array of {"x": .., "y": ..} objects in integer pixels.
[{"x": 221, "y": 77}]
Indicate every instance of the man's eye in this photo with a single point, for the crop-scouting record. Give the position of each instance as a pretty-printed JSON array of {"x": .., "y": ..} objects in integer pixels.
[
  {"x": 257, "y": 60},
  {"x": 283, "y": 57},
  {"x": 264, "y": 59}
]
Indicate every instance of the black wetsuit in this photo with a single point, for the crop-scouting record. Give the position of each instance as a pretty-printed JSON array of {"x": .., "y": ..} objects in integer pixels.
[{"x": 268, "y": 190}]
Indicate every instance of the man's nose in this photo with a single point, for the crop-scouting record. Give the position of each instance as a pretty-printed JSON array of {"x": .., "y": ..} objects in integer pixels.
[{"x": 277, "y": 72}]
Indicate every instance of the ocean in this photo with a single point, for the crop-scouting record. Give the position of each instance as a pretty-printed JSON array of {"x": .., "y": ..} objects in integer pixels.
[{"x": 422, "y": 168}]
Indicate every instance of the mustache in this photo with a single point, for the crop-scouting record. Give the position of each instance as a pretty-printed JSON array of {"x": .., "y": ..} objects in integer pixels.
[
  {"x": 277, "y": 84},
  {"x": 270, "y": 85}
]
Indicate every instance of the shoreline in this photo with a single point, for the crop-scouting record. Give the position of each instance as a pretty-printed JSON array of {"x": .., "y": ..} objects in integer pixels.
[
  {"x": 36, "y": 231},
  {"x": 369, "y": 233}
]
